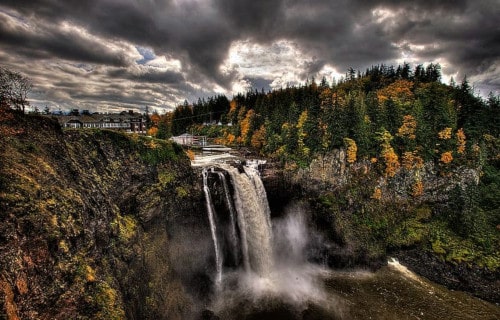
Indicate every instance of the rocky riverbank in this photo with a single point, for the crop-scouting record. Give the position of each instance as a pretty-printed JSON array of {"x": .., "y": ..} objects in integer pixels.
[{"x": 480, "y": 282}]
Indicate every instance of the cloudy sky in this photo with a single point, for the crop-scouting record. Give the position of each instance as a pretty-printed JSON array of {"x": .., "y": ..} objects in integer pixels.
[{"x": 105, "y": 55}]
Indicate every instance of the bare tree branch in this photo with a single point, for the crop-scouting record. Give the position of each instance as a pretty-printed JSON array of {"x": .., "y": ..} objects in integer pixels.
[{"x": 14, "y": 89}]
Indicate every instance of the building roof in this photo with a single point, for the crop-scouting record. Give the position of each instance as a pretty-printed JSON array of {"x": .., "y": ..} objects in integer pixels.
[{"x": 100, "y": 117}]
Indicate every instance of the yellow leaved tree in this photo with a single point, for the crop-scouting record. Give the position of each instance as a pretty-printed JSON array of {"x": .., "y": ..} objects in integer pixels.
[
  {"x": 259, "y": 138},
  {"x": 411, "y": 160},
  {"x": 418, "y": 188},
  {"x": 377, "y": 194},
  {"x": 152, "y": 131},
  {"x": 301, "y": 133},
  {"x": 460, "y": 141},
  {"x": 446, "y": 157},
  {"x": 408, "y": 127},
  {"x": 399, "y": 91},
  {"x": 391, "y": 159},
  {"x": 352, "y": 149},
  {"x": 229, "y": 138},
  {"x": 445, "y": 134},
  {"x": 245, "y": 126}
]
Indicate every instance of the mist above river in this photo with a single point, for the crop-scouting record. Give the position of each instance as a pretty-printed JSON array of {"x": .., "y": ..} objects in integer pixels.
[{"x": 292, "y": 283}]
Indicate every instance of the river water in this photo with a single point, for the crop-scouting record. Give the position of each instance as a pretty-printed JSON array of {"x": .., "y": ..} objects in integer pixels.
[{"x": 391, "y": 293}]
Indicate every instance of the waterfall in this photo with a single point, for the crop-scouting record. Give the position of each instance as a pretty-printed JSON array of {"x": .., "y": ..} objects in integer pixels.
[
  {"x": 253, "y": 219},
  {"x": 267, "y": 265},
  {"x": 253, "y": 174},
  {"x": 213, "y": 228},
  {"x": 248, "y": 238},
  {"x": 232, "y": 219}
]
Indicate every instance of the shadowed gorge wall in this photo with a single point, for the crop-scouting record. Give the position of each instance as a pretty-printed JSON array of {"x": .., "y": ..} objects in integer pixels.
[{"x": 90, "y": 225}]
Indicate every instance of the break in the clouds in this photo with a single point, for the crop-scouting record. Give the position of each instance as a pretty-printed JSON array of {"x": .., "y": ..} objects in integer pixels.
[{"x": 112, "y": 54}]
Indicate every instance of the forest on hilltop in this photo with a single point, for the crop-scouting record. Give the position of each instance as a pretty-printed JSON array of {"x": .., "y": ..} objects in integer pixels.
[{"x": 394, "y": 113}]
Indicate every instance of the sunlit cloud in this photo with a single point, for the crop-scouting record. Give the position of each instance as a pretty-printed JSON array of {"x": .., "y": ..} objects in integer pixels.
[{"x": 282, "y": 62}]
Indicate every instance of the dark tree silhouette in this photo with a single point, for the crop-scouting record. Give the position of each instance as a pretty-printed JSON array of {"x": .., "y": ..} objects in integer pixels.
[{"x": 14, "y": 89}]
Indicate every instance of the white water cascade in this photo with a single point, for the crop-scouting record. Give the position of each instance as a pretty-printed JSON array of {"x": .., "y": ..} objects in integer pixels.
[
  {"x": 213, "y": 228},
  {"x": 268, "y": 264},
  {"x": 249, "y": 232},
  {"x": 253, "y": 219},
  {"x": 232, "y": 218},
  {"x": 253, "y": 173}
]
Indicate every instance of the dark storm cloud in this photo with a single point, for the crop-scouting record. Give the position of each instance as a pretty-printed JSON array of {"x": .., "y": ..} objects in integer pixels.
[
  {"x": 153, "y": 76},
  {"x": 48, "y": 40},
  {"x": 352, "y": 35},
  {"x": 342, "y": 31},
  {"x": 464, "y": 34},
  {"x": 187, "y": 30},
  {"x": 258, "y": 18}
]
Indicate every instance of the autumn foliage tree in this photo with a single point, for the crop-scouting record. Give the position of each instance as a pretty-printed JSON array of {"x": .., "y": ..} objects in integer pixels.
[
  {"x": 303, "y": 149},
  {"x": 417, "y": 188},
  {"x": 391, "y": 159},
  {"x": 377, "y": 194},
  {"x": 446, "y": 157},
  {"x": 259, "y": 138},
  {"x": 352, "y": 150},
  {"x": 460, "y": 135},
  {"x": 245, "y": 126},
  {"x": 445, "y": 136},
  {"x": 398, "y": 91},
  {"x": 153, "y": 131},
  {"x": 408, "y": 127},
  {"x": 411, "y": 160}
]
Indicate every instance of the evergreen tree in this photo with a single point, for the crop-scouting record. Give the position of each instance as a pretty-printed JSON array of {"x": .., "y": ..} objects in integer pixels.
[{"x": 470, "y": 110}]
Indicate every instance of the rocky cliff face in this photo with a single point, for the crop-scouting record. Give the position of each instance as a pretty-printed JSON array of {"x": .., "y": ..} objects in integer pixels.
[
  {"x": 91, "y": 228},
  {"x": 332, "y": 171},
  {"x": 332, "y": 174}
]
